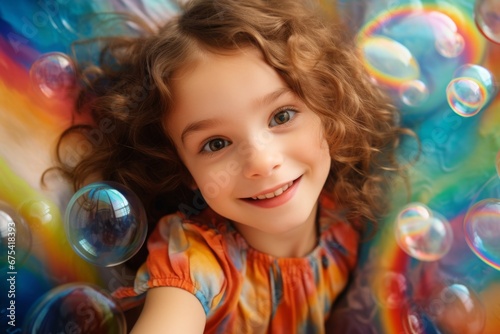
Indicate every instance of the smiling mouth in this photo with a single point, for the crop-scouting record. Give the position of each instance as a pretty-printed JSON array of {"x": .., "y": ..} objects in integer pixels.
[{"x": 275, "y": 193}]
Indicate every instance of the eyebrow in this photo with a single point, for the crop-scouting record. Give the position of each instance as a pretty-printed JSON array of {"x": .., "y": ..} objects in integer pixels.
[
  {"x": 198, "y": 126},
  {"x": 210, "y": 122}
]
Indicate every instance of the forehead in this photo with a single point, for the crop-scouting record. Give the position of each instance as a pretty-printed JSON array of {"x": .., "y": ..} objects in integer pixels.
[
  {"x": 211, "y": 73},
  {"x": 218, "y": 85}
]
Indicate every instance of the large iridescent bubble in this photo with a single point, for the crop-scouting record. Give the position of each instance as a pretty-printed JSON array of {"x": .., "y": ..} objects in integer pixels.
[
  {"x": 423, "y": 233},
  {"x": 75, "y": 308},
  {"x": 482, "y": 230},
  {"x": 15, "y": 238},
  {"x": 105, "y": 223},
  {"x": 482, "y": 222}
]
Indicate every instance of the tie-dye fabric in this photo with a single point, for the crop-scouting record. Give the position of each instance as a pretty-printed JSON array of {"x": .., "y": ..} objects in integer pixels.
[{"x": 241, "y": 289}]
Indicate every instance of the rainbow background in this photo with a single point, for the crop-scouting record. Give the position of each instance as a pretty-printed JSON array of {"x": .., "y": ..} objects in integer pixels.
[{"x": 391, "y": 292}]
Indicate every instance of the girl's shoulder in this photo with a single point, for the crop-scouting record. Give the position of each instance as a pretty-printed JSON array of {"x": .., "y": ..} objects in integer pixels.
[
  {"x": 198, "y": 254},
  {"x": 203, "y": 238}
]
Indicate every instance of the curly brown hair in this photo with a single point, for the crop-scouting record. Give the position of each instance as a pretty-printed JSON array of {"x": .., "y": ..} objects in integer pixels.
[{"x": 130, "y": 95}]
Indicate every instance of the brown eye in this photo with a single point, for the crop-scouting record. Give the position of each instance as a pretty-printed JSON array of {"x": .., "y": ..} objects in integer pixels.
[
  {"x": 214, "y": 145},
  {"x": 282, "y": 117}
]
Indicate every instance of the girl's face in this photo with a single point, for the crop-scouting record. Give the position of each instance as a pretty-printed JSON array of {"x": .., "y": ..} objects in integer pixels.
[{"x": 253, "y": 148}]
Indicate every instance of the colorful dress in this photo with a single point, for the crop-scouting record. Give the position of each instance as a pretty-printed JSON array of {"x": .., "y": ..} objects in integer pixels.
[{"x": 241, "y": 289}]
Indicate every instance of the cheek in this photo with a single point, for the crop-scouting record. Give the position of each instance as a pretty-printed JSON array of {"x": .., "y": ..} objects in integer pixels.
[
  {"x": 214, "y": 181},
  {"x": 321, "y": 154},
  {"x": 312, "y": 144}
]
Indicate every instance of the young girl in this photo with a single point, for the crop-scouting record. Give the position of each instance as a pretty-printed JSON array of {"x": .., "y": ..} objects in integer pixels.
[{"x": 264, "y": 108}]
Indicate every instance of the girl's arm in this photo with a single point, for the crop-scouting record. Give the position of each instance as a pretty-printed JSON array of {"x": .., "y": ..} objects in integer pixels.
[{"x": 170, "y": 310}]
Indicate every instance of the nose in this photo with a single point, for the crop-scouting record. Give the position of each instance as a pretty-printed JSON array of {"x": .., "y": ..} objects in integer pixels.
[{"x": 262, "y": 161}]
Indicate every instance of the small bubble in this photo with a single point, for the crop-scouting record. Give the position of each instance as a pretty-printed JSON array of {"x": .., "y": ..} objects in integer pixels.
[
  {"x": 449, "y": 42},
  {"x": 466, "y": 96},
  {"x": 422, "y": 233},
  {"x": 390, "y": 289},
  {"x": 457, "y": 309},
  {"x": 470, "y": 90},
  {"x": 414, "y": 321},
  {"x": 54, "y": 75},
  {"x": 413, "y": 93},
  {"x": 487, "y": 17},
  {"x": 450, "y": 46}
]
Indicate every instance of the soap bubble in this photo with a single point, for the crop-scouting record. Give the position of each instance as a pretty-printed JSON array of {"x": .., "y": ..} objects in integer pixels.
[
  {"x": 482, "y": 230},
  {"x": 487, "y": 17},
  {"x": 422, "y": 233},
  {"x": 413, "y": 93},
  {"x": 54, "y": 75},
  {"x": 390, "y": 289},
  {"x": 15, "y": 238},
  {"x": 388, "y": 61},
  {"x": 466, "y": 96},
  {"x": 105, "y": 223},
  {"x": 457, "y": 309},
  {"x": 415, "y": 210},
  {"x": 75, "y": 308},
  {"x": 470, "y": 89},
  {"x": 415, "y": 321},
  {"x": 449, "y": 42}
]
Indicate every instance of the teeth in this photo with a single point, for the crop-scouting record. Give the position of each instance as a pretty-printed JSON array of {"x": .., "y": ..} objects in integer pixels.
[{"x": 275, "y": 193}]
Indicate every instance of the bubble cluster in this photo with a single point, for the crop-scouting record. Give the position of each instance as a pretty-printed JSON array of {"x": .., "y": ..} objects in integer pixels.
[
  {"x": 457, "y": 309},
  {"x": 53, "y": 75},
  {"x": 75, "y": 308},
  {"x": 470, "y": 89},
  {"x": 15, "y": 238},
  {"x": 422, "y": 233},
  {"x": 487, "y": 17},
  {"x": 105, "y": 223},
  {"x": 412, "y": 50},
  {"x": 482, "y": 230}
]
